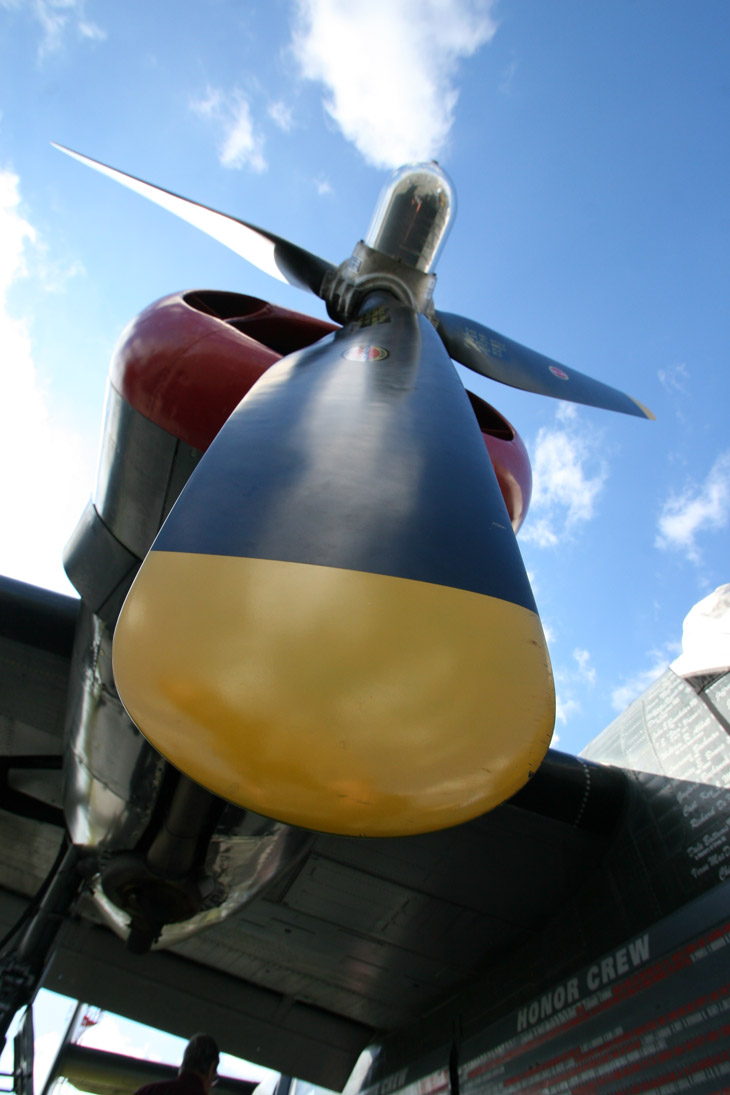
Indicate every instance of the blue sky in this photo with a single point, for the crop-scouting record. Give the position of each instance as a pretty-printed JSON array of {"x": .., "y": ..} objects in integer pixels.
[{"x": 588, "y": 144}]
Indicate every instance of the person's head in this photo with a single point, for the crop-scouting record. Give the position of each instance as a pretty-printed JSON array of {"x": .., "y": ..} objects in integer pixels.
[{"x": 201, "y": 1056}]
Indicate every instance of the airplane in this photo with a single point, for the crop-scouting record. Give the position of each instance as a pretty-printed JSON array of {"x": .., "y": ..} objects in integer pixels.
[{"x": 292, "y": 743}]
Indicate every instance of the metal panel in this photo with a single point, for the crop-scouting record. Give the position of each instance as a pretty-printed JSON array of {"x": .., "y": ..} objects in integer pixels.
[
  {"x": 384, "y": 930},
  {"x": 27, "y": 852},
  {"x": 142, "y": 468},
  {"x": 36, "y": 638}
]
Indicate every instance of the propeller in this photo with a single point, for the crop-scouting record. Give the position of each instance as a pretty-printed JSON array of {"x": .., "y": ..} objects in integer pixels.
[
  {"x": 407, "y": 232},
  {"x": 499, "y": 358},
  {"x": 270, "y": 253},
  {"x": 334, "y": 626}
]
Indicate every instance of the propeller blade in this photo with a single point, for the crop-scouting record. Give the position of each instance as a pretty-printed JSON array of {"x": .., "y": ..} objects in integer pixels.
[
  {"x": 498, "y": 358},
  {"x": 270, "y": 253},
  {"x": 334, "y": 626}
]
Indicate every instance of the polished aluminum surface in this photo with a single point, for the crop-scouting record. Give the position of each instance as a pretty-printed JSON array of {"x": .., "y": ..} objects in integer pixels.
[
  {"x": 239, "y": 865},
  {"x": 112, "y": 774},
  {"x": 142, "y": 469},
  {"x": 121, "y": 799},
  {"x": 99, "y": 567},
  {"x": 111, "y": 794}
]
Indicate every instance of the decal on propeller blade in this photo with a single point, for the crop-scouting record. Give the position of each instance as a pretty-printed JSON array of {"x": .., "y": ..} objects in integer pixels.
[
  {"x": 559, "y": 373},
  {"x": 491, "y": 346}
]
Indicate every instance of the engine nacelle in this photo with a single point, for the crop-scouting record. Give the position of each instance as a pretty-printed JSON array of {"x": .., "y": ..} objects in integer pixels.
[
  {"x": 164, "y": 868},
  {"x": 183, "y": 365},
  {"x": 178, "y": 372}
]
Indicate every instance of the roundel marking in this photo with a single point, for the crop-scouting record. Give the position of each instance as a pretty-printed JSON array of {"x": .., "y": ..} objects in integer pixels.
[
  {"x": 559, "y": 373},
  {"x": 366, "y": 352}
]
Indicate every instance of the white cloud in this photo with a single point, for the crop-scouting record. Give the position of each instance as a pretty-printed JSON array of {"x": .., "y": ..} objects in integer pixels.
[
  {"x": 565, "y": 707},
  {"x": 566, "y": 412},
  {"x": 281, "y": 116},
  {"x": 15, "y": 232},
  {"x": 240, "y": 144},
  {"x": 568, "y": 476},
  {"x": 567, "y": 681},
  {"x": 210, "y": 105},
  {"x": 56, "y": 275},
  {"x": 675, "y": 378},
  {"x": 571, "y": 678},
  {"x": 632, "y": 687},
  {"x": 46, "y": 481},
  {"x": 587, "y": 671},
  {"x": 389, "y": 68},
  {"x": 324, "y": 187},
  {"x": 696, "y": 510},
  {"x": 91, "y": 31},
  {"x": 59, "y": 20},
  {"x": 508, "y": 78}
]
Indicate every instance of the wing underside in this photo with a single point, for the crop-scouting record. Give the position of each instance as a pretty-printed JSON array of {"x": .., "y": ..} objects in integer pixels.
[{"x": 362, "y": 937}]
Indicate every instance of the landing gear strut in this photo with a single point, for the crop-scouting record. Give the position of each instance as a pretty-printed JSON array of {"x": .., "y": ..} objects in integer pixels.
[{"x": 22, "y": 967}]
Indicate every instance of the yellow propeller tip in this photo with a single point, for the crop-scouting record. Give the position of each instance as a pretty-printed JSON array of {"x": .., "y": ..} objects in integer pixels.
[{"x": 644, "y": 410}]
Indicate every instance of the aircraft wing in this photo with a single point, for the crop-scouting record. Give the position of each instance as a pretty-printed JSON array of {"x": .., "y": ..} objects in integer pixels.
[
  {"x": 361, "y": 937},
  {"x": 37, "y": 630},
  {"x": 36, "y": 639},
  {"x": 405, "y": 942}
]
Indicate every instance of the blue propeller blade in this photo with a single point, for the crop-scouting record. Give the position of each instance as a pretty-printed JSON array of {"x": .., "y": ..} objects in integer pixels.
[{"x": 492, "y": 355}]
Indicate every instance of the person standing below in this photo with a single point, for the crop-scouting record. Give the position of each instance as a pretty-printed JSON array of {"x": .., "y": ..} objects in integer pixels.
[{"x": 196, "y": 1074}]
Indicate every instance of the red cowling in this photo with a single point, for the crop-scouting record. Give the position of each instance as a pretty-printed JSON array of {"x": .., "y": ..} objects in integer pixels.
[
  {"x": 509, "y": 458},
  {"x": 187, "y": 361}
]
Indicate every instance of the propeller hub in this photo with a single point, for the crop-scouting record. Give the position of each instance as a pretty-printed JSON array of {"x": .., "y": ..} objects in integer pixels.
[
  {"x": 368, "y": 271},
  {"x": 413, "y": 216},
  {"x": 410, "y": 224}
]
